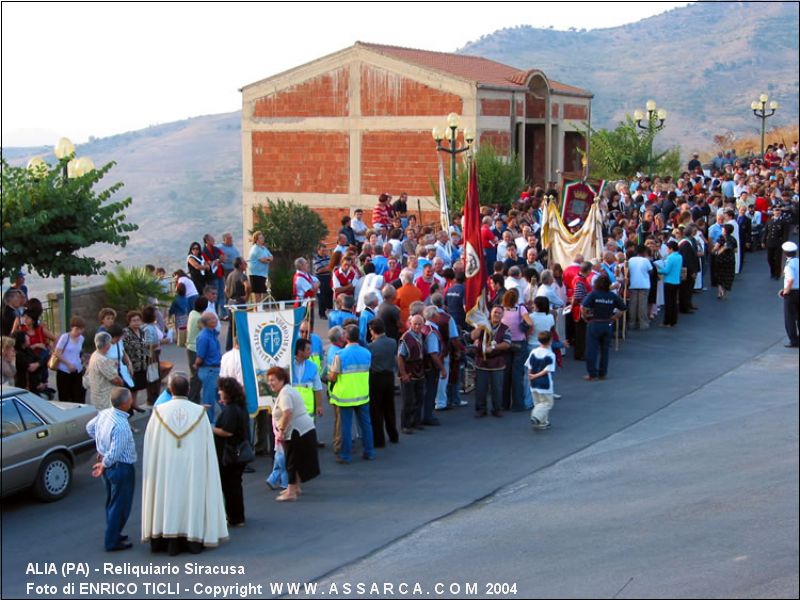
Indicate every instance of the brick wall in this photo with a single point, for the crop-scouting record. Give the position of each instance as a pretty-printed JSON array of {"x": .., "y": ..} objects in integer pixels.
[
  {"x": 520, "y": 108},
  {"x": 575, "y": 111},
  {"x": 388, "y": 94},
  {"x": 501, "y": 140},
  {"x": 572, "y": 158},
  {"x": 394, "y": 161},
  {"x": 495, "y": 108},
  {"x": 322, "y": 96},
  {"x": 534, "y": 107},
  {"x": 554, "y": 110},
  {"x": 304, "y": 162}
]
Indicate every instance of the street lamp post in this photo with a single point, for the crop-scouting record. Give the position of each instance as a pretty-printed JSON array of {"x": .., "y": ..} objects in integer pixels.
[
  {"x": 760, "y": 110},
  {"x": 72, "y": 168},
  {"x": 655, "y": 123},
  {"x": 448, "y": 133}
]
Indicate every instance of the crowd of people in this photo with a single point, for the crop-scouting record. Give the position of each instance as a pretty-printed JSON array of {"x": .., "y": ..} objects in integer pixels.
[{"x": 393, "y": 295}]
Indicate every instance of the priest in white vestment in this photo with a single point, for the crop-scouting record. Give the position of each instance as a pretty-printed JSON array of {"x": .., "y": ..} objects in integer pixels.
[{"x": 182, "y": 503}]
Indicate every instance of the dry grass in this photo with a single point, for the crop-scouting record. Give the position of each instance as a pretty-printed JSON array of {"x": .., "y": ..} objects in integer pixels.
[{"x": 752, "y": 145}]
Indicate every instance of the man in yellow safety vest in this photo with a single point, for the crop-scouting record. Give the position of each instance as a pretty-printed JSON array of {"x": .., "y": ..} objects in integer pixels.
[{"x": 350, "y": 377}]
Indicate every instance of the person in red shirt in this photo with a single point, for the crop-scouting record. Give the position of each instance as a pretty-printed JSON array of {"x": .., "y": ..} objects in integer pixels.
[
  {"x": 489, "y": 242},
  {"x": 425, "y": 281},
  {"x": 570, "y": 273},
  {"x": 382, "y": 212},
  {"x": 343, "y": 277}
]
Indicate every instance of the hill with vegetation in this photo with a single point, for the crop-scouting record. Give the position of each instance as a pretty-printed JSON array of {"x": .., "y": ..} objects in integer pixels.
[{"x": 704, "y": 63}]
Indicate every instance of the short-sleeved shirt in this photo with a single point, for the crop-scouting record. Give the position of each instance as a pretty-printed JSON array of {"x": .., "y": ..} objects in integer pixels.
[
  {"x": 231, "y": 254},
  {"x": 539, "y": 359},
  {"x": 513, "y": 319},
  {"x": 290, "y": 399},
  {"x": 791, "y": 270},
  {"x": 639, "y": 269},
  {"x": 208, "y": 348},
  {"x": 100, "y": 372},
  {"x": 542, "y": 322},
  {"x": 431, "y": 344},
  {"x": 254, "y": 264},
  {"x": 70, "y": 351},
  {"x": 602, "y": 305},
  {"x": 454, "y": 301},
  {"x": 192, "y": 330}
]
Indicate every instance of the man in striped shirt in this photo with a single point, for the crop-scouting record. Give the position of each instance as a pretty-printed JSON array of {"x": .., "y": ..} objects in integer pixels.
[{"x": 117, "y": 452}]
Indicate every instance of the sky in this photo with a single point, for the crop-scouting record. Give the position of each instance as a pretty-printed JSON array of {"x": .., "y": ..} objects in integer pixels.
[{"x": 79, "y": 69}]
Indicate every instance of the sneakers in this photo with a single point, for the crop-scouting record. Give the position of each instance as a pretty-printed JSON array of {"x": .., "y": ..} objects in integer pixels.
[
  {"x": 538, "y": 425},
  {"x": 557, "y": 396}
]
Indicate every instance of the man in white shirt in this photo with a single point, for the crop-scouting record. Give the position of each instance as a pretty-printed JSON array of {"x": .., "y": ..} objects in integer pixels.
[
  {"x": 502, "y": 247},
  {"x": 442, "y": 249},
  {"x": 639, "y": 268},
  {"x": 517, "y": 282},
  {"x": 359, "y": 227}
]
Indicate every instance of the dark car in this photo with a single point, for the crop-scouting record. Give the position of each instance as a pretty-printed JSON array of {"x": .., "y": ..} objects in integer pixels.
[{"x": 40, "y": 440}]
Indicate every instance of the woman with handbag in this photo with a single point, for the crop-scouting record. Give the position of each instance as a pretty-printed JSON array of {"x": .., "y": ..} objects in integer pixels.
[
  {"x": 66, "y": 362},
  {"x": 296, "y": 431},
  {"x": 232, "y": 439},
  {"x": 519, "y": 323},
  {"x": 133, "y": 341},
  {"x": 152, "y": 339}
]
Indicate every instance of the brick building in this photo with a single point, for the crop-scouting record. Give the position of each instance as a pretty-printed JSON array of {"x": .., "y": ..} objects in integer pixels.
[{"x": 337, "y": 132}]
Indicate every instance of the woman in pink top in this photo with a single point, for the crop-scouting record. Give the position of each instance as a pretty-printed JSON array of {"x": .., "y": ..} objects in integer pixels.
[{"x": 518, "y": 321}]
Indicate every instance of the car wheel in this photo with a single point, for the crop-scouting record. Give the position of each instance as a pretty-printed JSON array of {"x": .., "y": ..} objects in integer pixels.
[{"x": 54, "y": 478}]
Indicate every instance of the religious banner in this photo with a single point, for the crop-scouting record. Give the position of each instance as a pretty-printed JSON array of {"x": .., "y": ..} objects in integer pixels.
[
  {"x": 562, "y": 245},
  {"x": 577, "y": 201},
  {"x": 266, "y": 340},
  {"x": 474, "y": 269}
]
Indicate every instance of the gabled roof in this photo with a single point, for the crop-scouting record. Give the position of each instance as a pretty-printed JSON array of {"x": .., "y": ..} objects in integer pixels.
[{"x": 484, "y": 72}]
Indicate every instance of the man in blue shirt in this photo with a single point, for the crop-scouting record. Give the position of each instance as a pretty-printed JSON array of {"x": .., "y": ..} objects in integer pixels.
[
  {"x": 671, "y": 270},
  {"x": 117, "y": 452},
  {"x": 598, "y": 309},
  {"x": 209, "y": 357}
]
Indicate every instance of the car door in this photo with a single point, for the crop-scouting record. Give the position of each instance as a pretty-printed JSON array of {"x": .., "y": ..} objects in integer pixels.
[{"x": 25, "y": 438}]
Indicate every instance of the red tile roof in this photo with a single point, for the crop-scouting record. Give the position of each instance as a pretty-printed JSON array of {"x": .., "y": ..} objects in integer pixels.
[{"x": 484, "y": 72}]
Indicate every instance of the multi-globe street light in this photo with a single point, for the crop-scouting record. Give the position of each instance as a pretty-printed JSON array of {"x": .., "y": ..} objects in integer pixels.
[
  {"x": 759, "y": 108},
  {"x": 655, "y": 123}
]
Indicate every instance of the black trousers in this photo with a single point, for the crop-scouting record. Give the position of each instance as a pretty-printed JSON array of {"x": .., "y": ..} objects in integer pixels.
[
  {"x": 231, "y": 479},
  {"x": 791, "y": 316},
  {"x": 413, "y": 394},
  {"x": 671, "y": 303},
  {"x": 70, "y": 387},
  {"x": 325, "y": 295},
  {"x": 685, "y": 293},
  {"x": 774, "y": 259},
  {"x": 381, "y": 407}
]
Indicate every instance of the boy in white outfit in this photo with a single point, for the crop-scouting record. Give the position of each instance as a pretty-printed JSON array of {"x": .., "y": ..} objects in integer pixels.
[{"x": 541, "y": 363}]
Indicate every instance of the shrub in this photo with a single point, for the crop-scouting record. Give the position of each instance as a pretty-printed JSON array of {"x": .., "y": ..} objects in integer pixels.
[
  {"x": 499, "y": 179},
  {"x": 129, "y": 289}
]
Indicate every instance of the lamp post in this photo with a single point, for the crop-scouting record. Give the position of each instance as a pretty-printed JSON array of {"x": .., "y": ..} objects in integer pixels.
[
  {"x": 760, "y": 110},
  {"x": 71, "y": 168},
  {"x": 655, "y": 123},
  {"x": 448, "y": 133}
]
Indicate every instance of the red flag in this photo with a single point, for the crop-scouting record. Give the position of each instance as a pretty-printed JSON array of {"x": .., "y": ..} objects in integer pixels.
[{"x": 474, "y": 264}]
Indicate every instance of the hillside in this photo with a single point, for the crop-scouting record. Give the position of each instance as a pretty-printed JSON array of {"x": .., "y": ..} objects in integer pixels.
[
  {"x": 184, "y": 178},
  {"x": 704, "y": 63}
]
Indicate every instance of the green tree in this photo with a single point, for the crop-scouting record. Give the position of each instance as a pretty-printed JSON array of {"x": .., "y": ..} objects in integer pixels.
[
  {"x": 625, "y": 151},
  {"x": 48, "y": 219},
  {"x": 500, "y": 179},
  {"x": 291, "y": 230}
]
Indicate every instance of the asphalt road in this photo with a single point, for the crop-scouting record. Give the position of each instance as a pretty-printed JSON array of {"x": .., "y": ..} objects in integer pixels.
[{"x": 678, "y": 477}]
